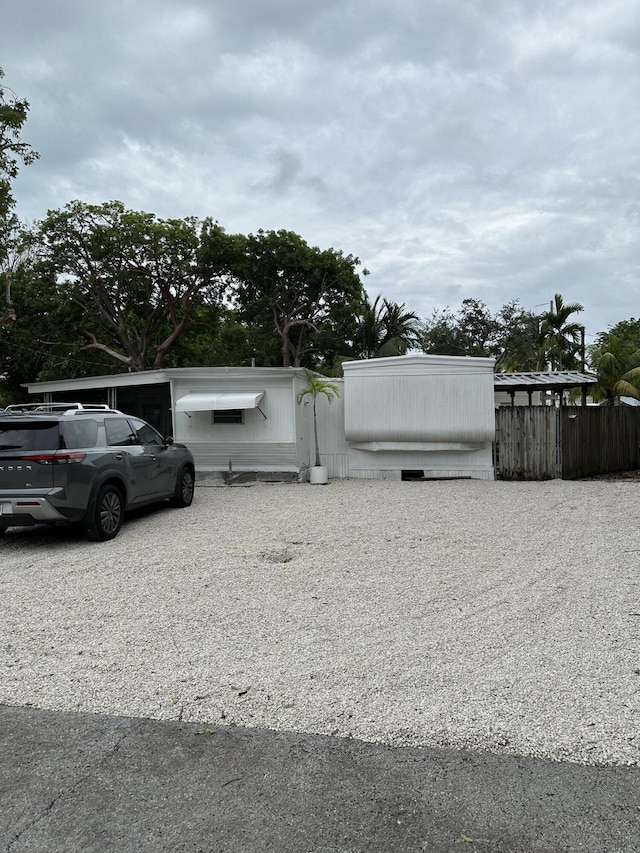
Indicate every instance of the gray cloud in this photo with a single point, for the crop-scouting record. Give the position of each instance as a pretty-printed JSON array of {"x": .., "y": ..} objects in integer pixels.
[{"x": 459, "y": 149}]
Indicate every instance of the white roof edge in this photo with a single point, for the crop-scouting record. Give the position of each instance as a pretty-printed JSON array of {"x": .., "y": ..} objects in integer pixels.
[
  {"x": 421, "y": 362},
  {"x": 152, "y": 377}
]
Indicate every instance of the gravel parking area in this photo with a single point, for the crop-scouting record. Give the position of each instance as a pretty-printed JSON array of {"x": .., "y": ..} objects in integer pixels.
[{"x": 484, "y": 615}]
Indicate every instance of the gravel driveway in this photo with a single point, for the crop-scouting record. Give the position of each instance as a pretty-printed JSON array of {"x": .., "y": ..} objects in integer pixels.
[{"x": 487, "y": 615}]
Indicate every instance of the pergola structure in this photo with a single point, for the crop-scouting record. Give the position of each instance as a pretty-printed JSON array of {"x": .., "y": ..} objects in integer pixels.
[{"x": 556, "y": 381}]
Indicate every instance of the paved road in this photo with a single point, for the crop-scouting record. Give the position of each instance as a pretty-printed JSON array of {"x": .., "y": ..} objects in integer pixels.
[{"x": 79, "y": 782}]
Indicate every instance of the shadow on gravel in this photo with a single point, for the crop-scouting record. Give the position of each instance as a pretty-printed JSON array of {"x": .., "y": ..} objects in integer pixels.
[
  {"x": 71, "y": 782},
  {"x": 64, "y": 534}
]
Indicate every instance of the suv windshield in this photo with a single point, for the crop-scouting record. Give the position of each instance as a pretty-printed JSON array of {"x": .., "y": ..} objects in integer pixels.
[{"x": 43, "y": 435}]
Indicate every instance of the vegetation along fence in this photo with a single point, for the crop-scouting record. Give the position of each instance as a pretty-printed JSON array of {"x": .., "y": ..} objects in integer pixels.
[{"x": 542, "y": 443}]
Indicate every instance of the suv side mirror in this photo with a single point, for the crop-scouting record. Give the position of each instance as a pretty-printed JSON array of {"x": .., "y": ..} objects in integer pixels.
[{"x": 168, "y": 440}]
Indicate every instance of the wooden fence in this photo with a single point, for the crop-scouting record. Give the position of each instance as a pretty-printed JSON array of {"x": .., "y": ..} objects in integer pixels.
[{"x": 542, "y": 443}]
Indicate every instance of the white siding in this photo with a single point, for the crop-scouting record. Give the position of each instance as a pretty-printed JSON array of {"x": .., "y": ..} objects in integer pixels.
[
  {"x": 268, "y": 456},
  {"x": 431, "y": 414},
  {"x": 334, "y": 449},
  {"x": 273, "y": 436},
  {"x": 418, "y": 401}
]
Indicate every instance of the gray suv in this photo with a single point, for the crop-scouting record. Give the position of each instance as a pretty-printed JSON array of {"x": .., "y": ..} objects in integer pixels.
[{"x": 86, "y": 464}]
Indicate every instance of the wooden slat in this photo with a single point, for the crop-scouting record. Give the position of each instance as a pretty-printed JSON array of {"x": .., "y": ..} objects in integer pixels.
[
  {"x": 599, "y": 440},
  {"x": 526, "y": 443},
  {"x": 593, "y": 440}
]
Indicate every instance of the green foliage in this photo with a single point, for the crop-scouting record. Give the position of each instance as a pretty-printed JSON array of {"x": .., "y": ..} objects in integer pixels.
[
  {"x": 216, "y": 336},
  {"x": 616, "y": 363},
  {"x": 308, "y": 296},
  {"x": 315, "y": 387},
  {"x": 141, "y": 275},
  {"x": 627, "y": 332},
  {"x": 13, "y": 151},
  {"x": 561, "y": 338},
  {"x": 385, "y": 329},
  {"x": 519, "y": 345},
  {"x": 44, "y": 340},
  {"x": 510, "y": 335}
]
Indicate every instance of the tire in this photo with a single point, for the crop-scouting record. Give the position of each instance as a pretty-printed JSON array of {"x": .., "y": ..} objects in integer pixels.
[
  {"x": 105, "y": 521},
  {"x": 184, "y": 488}
]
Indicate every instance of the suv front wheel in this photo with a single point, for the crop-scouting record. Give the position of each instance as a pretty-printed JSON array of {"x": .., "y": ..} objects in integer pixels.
[
  {"x": 105, "y": 520},
  {"x": 184, "y": 488}
]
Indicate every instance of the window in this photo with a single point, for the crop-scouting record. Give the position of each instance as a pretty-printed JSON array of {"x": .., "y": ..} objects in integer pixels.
[
  {"x": 147, "y": 434},
  {"x": 119, "y": 433},
  {"x": 81, "y": 433},
  {"x": 31, "y": 436},
  {"x": 228, "y": 416}
]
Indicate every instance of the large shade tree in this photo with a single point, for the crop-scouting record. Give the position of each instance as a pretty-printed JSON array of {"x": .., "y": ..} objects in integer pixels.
[
  {"x": 13, "y": 152},
  {"x": 139, "y": 274},
  {"x": 510, "y": 335},
  {"x": 44, "y": 340},
  {"x": 304, "y": 295}
]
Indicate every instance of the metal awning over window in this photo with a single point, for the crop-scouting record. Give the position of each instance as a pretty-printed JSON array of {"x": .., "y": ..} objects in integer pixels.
[{"x": 208, "y": 401}]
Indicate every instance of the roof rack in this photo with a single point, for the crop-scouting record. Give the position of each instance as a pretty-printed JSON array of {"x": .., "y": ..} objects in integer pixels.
[{"x": 58, "y": 407}]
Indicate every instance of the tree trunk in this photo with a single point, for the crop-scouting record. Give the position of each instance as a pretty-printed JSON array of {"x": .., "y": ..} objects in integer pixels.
[{"x": 315, "y": 432}]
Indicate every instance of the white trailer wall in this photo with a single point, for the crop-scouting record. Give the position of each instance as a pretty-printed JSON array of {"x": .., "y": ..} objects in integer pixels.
[
  {"x": 428, "y": 414},
  {"x": 274, "y": 436},
  {"x": 420, "y": 413}
]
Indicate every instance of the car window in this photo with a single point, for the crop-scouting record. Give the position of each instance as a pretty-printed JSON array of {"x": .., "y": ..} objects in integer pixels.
[
  {"x": 147, "y": 434},
  {"x": 32, "y": 436},
  {"x": 81, "y": 433},
  {"x": 119, "y": 433}
]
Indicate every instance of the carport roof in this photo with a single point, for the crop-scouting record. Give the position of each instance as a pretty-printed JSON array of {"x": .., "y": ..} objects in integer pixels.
[{"x": 551, "y": 380}]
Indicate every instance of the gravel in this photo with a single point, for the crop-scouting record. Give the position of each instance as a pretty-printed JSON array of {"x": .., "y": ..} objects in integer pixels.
[{"x": 462, "y": 614}]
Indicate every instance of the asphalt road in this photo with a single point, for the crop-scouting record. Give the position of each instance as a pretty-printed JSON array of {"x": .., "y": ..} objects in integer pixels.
[
  {"x": 557, "y": 626},
  {"x": 79, "y": 782}
]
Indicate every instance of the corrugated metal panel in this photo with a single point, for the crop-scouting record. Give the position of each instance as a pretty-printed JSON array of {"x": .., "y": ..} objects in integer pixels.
[
  {"x": 419, "y": 364},
  {"x": 374, "y": 474},
  {"x": 207, "y": 401},
  {"x": 337, "y": 464},
  {"x": 334, "y": 450},
  {"x": 542, "y": 379},
  {"x": 442, "y": 407},
  {"x": 244, "y": 456}
]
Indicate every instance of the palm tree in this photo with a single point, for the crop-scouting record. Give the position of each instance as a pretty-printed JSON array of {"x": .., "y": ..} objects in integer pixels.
[
  {"x": 401, "y": 330},
  {"x": 370, "y": 329},
  {"x": 617, "y": 369},
  {"x": 386, "y": 329},
  {"x": 560, "y": 338},
  {"x": 316, "y": 386}
]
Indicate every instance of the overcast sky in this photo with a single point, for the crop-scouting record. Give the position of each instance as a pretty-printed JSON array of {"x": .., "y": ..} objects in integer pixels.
[{"x": 460, "y": 148}]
